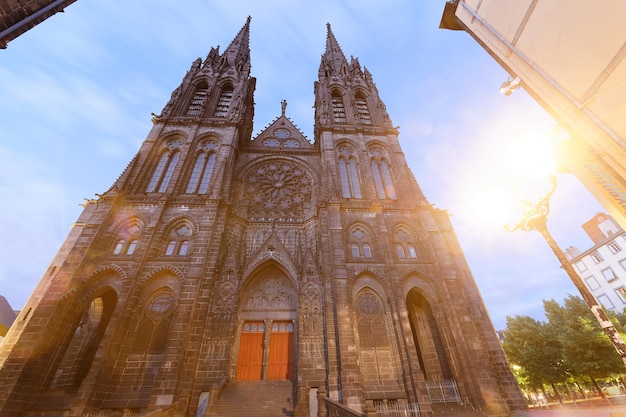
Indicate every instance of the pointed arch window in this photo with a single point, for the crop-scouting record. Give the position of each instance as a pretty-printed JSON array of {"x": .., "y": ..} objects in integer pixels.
[
  {"x": 127, "y": 239},
  {"x": 339, "y": 111},
  {"x": 85, "y": 341},
  {"x": 199, "y": 97},
  {"x": 223, "y": 104},
  {"x": 381, "y": 172},
  {"x": 362, "y": 111},
  {"x": 405, "y": 244},
  {"x": 349, "y": 174},
  {"x": 371, "y": 320},
  {"x": 201, "y": 174},
  {"x": 163, "y": 172},
  {"x": 153, "y": 329},
  {"x": 178, "y": 240},
  {"x": 360, "y": 246}
]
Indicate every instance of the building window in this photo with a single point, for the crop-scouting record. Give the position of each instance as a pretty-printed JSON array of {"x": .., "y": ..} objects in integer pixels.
[
  {"x": 349, "y": 174},
  {"x": 623, "y": 263},
  {"x": 195, "y": 107},
  {"x": 621, "y": 291},
  {"x": 362, "y": 111},
  {"x": 381, "y": 172},
  {"x": 125, "y": 247},
  {"x": 127, "y": 239},
  {"x": 592, "y": 283},
  {"x": 339, "y": 111},
  {"x": 201, "y": 174},
  {"x": 132, "y": 245},
  {"x": 223, "y": 103},
  {"x": 360, "y": 246},
  {"x": 151, "y": 335},
  {"x": 581, "y": 266},
  {"x": 609, "y": 275},
  {"x": 597, "y": 258},
  {"x": 163, "y": 172},
  {"x": 405, "y": 243},
  {"x": 606, "y": 302},
  {"x": 614, "y": 247},
  {"x": 178, "y": 240}
]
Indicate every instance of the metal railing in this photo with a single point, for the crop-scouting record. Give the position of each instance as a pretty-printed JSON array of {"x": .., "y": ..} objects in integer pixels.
[
  {"x": 394, "y": 409},
  {"x": 443, "y": 391}
]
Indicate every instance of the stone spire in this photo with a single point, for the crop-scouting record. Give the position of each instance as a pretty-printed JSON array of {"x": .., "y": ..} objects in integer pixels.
[
  {"x": 333, "y": 60},
  {"x": 238, "y": 52}
]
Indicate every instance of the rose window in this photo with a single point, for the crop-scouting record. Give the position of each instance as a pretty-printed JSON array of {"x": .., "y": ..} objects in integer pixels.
[{"x": 277, "y": 190}]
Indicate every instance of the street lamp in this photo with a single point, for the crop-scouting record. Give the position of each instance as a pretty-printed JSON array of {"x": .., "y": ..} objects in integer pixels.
[{"x": 535, "y": 217}]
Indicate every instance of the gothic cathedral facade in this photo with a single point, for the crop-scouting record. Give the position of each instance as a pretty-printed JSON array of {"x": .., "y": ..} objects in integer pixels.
[{"x": 218, "y": 257}]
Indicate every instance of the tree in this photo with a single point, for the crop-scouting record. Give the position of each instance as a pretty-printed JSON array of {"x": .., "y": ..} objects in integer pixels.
[
  {"x": 534, "y": 346},
  {"x": 587, "y": 351}
]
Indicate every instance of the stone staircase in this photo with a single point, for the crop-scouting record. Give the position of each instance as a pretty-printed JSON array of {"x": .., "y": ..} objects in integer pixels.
[{"x": 256, "y": 398}]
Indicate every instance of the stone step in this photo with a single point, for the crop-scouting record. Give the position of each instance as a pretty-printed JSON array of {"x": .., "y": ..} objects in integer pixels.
[{"x": 256, "y": 398}]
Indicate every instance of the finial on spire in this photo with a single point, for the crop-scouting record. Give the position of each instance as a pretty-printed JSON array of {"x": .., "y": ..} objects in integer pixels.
[{"x": 283, "y": 105}]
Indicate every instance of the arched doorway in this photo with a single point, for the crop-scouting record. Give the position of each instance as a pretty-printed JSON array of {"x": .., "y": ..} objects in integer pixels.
[
  {"x": 428, "y": 341},
  {"x": 267, "y": 338}
]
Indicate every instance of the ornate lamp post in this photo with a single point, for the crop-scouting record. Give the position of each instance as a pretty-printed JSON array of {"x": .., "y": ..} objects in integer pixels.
[{"x": 535, "y": 217}]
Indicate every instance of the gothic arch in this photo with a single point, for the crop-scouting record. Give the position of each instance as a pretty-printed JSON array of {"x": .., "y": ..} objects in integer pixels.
[
  {"x": 87, "y": 318},
  {"x": 108, "y": 276},
  {"x": 382, "y": 174},
  {"x": 360, "y": 240},
  {"x": 427, "y": 327},
  {"x": 165, "y": 269},
  {"x": 268, "y": 261},
  {"x": 375, "y": 340},
  {"x": 199, "y": 92},
  {"x": 405, "y": 241},
  {"x": 125, "y": 236},
  {"x": 176, "y": 236},
  {"x": 173, "y": 138},
  {"x": 368, "y": 280}
]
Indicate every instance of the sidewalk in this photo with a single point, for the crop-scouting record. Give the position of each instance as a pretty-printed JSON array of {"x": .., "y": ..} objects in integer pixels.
[{"x": 614, "y": 406}]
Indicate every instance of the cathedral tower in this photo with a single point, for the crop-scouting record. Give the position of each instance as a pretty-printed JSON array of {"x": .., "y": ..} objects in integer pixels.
[{"x": 219, "y": 261}]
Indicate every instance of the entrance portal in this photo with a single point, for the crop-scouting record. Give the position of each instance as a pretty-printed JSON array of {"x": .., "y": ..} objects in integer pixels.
[{"x": 260, "y": 360}]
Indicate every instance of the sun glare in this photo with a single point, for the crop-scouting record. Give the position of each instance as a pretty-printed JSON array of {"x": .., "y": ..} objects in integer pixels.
[
  {"x": 495, "y": 206},
  {"x": 531, "y": 157}
]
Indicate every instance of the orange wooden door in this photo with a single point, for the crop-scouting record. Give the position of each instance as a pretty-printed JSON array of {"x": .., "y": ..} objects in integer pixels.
[
  {"x": 250, "y": 362},
  {"x": 281, "y": 355}
]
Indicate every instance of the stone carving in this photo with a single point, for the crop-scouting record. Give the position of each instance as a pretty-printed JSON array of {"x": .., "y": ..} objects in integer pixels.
[
  {"x": 272, "y": 293},
  {"x": 277, "y": 189}
]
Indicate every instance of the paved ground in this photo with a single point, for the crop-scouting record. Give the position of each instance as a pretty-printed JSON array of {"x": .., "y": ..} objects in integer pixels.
[{"x": 614, "y": 406}]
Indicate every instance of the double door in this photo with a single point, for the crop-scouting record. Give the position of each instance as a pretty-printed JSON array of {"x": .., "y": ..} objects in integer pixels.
[{"x": 266, "y": 351}]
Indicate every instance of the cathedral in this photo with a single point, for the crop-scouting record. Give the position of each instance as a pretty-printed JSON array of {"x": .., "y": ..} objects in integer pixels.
[{"x": 223, "y": 270}]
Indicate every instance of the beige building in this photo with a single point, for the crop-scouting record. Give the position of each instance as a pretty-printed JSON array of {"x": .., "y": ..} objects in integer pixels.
[
  {"x": 570, "y": 57},
  {"x": 225, "y": 275}
]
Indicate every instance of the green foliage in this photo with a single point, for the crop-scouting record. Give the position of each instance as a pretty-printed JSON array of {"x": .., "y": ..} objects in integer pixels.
[
  {"x": 571, "y": 342},
  {"x": 586, "y": 348},
  {"x": 532, "y": 345}
]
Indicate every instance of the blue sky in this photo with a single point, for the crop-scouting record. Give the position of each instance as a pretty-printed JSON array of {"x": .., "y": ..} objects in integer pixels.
[{"x": 76, "y": 94}]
